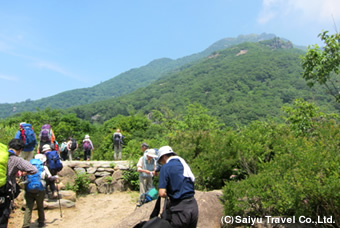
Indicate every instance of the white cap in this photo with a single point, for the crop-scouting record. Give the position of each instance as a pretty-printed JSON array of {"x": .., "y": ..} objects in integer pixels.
[
  {"x": 151, "y": 153},
  {"x": 45, "y": 148},
  {"x": 164, "y": 150}
]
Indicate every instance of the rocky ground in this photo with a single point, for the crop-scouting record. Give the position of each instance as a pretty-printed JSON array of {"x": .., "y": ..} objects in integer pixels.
[{"x": 99, "y": 211}]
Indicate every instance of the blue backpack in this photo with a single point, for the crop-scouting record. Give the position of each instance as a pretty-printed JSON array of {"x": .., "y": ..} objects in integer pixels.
[
  {"x": 27, "y": 134},
  {"x": 53, "y": 162},
  {"x": 34, "y": 184}
]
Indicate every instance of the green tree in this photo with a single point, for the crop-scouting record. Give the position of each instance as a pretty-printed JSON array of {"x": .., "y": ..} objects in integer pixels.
[{"x": 321, "y": 65}]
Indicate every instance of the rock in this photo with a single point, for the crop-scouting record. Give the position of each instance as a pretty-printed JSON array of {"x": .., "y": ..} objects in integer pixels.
[
  {"x": 119, "y": 185},
  {"x": 93, "y": 188},
  {"x": 54, "y": 204},
  {"x": 209, "y": 206},
  {"x": 101, "y": 180},
  {"x": 80, "y": 170},
  {"x": 118, "y": 174},
  {"x": 68, "y": 195},
  {"x": 91, "y": 170},
  {"x": 105, "y": 188},
  {"x": 106, "y": 169},
  {"x": 66, "y": 171},
  {"x": 102, "y": 174},
  {"x": 92, "y": 178}
]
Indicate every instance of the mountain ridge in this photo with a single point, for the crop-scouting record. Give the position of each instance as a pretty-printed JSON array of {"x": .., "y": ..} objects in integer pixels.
[{"x": 123, "y": 83}]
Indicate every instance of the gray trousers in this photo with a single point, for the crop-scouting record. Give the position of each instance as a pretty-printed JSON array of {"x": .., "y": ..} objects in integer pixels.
[
  {"x": 30, "y": 198},
  {"x": 117, "y": 149}
]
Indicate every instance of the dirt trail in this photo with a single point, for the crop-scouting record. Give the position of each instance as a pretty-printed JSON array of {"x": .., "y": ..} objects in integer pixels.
[{"x": 99, "y": 211}]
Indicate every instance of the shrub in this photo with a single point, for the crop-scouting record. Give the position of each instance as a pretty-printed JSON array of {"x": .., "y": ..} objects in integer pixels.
[
  {"x": 81, "y": 184},
  {"x": 302, "y": 179}
]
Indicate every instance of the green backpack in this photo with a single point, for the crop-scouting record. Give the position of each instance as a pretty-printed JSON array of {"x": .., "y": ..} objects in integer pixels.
[{"x": 3, "y": 164}]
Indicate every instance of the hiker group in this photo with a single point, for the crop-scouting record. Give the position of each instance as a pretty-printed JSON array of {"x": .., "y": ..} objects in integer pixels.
[{"x": 39, "y": 173}]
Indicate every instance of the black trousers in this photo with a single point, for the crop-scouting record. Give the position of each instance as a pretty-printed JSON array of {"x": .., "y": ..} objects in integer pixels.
[
  {"x": 184, "y": 213},
  {"x": 5, "y": 210},
  {"x": 87, "y": 154}
]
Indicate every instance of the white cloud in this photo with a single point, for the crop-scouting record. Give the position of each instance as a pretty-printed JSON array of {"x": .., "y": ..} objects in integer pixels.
[
  {"x": 320, "y": 11},
  {"x": 58, "y": 69},
  {"x": 8, "y": 78}
]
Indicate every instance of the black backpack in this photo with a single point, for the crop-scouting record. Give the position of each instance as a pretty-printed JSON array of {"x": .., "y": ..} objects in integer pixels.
[
  {"x": 116, "y": 139},
  {"x": 73, "y": 144}
]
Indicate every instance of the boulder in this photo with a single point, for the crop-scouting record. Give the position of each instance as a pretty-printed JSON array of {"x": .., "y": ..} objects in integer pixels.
[
  {"x": 54, "y": 204},
  {"x": 80, "y": 170},
  {"x": 105, "y": 169},
  {"x": 118, "y": 174},
  {"x": 105, "y": 188},
  {"x": 68, "y": 195},
  {"x": 66, "y": 171},
  {"x": 91, "y": 170},
  {"x": 92, "y": 178},
  {"x": 102, "y": 174},
  {"x": 119, "y": 185},
  {"x": 93, "y": 188},
  {"x": 101, "y": 180},
  {"x": 209, "y": 206}
]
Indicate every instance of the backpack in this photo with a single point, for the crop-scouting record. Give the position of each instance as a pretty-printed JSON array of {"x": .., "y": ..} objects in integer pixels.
[
  {"x": 34, "y": 184},
  {"x": 45, "y": 133},
  {"x": 63, "y": 148},
  {"x": 116, "y": 139},
  {"x": 53, "y": 162},
  {"x": 87, "y": 145},
  {"x": 73, "y": 145},
  {"x": 150, "y": 195},
  {"x": 6, "y": 188},
  {"x": 27, "y": 135}
]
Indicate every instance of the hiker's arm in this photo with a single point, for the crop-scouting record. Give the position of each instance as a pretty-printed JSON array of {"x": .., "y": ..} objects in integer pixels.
[
  {"x": 162, "y": 192},
  {"x": 26, "y": 167}
]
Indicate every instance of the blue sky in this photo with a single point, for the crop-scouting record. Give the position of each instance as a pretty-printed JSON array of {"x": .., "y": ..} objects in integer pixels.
[{"x": 47, "y": 47}]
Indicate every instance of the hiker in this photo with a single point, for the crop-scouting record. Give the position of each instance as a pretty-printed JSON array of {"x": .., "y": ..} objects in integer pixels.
[
  {"x": 144, "y": 147},
  {"x": 35, "y": 189},
  {"x": 26, "y": 134},
  {"x": 50, "y": 181},
  {"x": 14, "y": 164},
  {"x": 72, "y": 145},
  {"x": 63, "y": 150},
  {"x": 87, "y": 147},
  {"x": 176, "y": 181},
  {"x": 146, "y": 167},
  {"x": 117, "y": 138},
  {"x": 46, "y": 136}
]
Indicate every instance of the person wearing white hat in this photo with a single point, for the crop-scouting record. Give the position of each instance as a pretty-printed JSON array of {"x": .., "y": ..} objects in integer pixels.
[
  {"x": 50, "y": 181},
  {"x": 176, "y": 181},
  {"x": 146, "y": 167},
  {"x": 87, "y": 147}
]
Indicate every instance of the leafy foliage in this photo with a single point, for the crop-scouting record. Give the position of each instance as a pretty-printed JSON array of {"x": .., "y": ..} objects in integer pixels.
[
  {"x": 321, "y": 65},
  {"x": 81, "y": 185}
]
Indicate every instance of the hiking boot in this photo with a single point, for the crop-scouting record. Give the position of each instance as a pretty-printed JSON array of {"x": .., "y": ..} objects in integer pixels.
[
  {"x": 41, "y": 224},
  {"x": 54, "y": 195}
]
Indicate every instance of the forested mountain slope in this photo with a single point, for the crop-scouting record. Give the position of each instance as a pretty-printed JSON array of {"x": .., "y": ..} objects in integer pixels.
[
  {"x": 247, "y": 82},
  {"x": 124, "y": 83}
]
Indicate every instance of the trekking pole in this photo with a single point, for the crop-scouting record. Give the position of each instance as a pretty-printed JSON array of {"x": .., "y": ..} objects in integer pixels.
[{"x": 61, "y": 215}]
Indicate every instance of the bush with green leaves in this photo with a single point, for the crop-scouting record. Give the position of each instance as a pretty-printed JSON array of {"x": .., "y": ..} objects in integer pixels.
[
  {"x": 131, "y": 176},
  {"x": 302, "y": 179},
  {"x": 81, "y": 184}
]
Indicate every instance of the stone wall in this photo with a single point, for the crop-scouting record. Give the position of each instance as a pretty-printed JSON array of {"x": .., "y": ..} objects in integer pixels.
[{"x": 105, "y": 176}]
